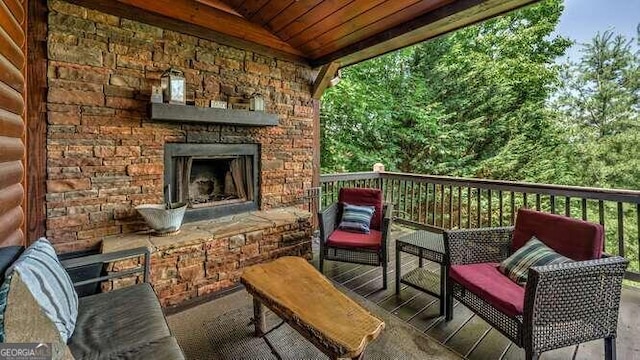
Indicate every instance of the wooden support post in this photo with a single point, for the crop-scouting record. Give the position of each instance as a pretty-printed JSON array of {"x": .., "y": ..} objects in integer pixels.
[{"x": 323, "y": 80}]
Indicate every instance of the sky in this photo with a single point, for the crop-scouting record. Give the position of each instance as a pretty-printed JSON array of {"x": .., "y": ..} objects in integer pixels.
[{"x": 582, "y": 19}]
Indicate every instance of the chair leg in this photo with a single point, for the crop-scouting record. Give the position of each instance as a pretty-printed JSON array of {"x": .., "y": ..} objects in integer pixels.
[
  {"x": 384, "y": 275},
  {"x": 610, "y": 348},
  {"x": 449, "y": 299}
]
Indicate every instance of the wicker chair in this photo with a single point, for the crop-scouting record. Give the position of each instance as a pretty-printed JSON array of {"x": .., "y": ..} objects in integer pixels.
[
  {"x": 367, "y": 249},
  {"x": 560, "y": 305}
]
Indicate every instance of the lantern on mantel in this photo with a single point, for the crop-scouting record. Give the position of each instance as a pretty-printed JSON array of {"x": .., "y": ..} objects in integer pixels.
[
  {"x": 256, "y": 103},
  {"x": 174, "y": 87}
]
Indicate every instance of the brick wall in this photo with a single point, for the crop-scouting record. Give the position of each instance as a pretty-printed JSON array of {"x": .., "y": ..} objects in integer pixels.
[{"x": 104, "y": 155}]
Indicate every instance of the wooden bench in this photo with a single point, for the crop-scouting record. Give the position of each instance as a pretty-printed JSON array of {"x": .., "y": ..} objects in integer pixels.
[{"x": 302, "y": 297}]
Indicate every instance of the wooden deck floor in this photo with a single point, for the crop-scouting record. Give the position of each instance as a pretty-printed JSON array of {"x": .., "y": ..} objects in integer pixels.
[{"x": 467, "y": 333}]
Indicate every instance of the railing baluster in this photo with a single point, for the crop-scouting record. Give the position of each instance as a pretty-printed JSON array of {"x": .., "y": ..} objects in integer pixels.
[
  {"x": 567, "y": 206},
  {"x": 469, "y": 208},
  {"x": 459, "y": 207},
  {"x": 500, "y": 223},
  {"x": 413, "y": 196},
  {"x": 525, "y": 203},
  {"x": 450, "y": 207},
  {"x": 584, "y": 209},
  {"x": 552, "y": 203},
  {"x": 433, "y": 208},
  {"x": 404, "y": 200},
  {"x": 601, "y": 219},
  {"x": 442, "y": 205},
  {"x": 538, "y": 202},
  {"x": 638, "y": 230},
  {"x": 512, "y": 204},
  {"x": 478, "y": 207},
  {"x": 620, "y": 230},
  {"x": 490, "y": 210},
  {"x": 426, "y": 203}
]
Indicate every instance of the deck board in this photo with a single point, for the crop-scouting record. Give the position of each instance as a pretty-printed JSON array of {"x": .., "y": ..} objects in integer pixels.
[{"x": 467, "y": 333}]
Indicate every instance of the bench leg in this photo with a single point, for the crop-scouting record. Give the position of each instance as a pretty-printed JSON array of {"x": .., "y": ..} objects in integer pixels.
[{"x": 259, "y": 318}]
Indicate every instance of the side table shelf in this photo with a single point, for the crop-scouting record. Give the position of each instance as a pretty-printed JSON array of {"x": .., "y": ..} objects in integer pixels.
[{"x": 426, "y": 246}]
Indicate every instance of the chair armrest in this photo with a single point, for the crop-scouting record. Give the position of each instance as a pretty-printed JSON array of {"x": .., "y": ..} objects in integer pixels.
[
  {"x": 328, "y": 219},
  {"x": 74, "y": 263},
  {"x": 470, "y": 246},
  {"x": 578, "y": 300}
]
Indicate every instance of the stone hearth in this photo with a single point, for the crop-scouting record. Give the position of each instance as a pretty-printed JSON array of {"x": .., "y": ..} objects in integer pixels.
[{"x": 208, "y": 256}]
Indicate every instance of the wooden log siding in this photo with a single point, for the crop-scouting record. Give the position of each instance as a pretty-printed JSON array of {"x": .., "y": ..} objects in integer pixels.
[
  {"x": 449, "y": 202},
  {"x": 12, "y": 124}
]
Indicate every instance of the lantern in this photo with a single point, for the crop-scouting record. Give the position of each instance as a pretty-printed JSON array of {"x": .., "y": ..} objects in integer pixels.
[
  {"x": 256, "y": 103},
  {"x": 173, "y": 87}
]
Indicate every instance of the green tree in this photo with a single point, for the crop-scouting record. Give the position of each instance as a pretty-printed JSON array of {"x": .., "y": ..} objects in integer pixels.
[{"x": 599, "y": 106}]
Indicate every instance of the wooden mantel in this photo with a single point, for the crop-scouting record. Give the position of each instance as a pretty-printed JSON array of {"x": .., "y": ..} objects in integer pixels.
[{"x": 189, "y": 113}]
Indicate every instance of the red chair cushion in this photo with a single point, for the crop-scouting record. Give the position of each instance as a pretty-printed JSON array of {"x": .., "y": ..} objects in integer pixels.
[
  {"x": 576, "y": 239},
  {"x": 365, "y": 196},
  {"x": 491, "y": 285},
  {"x": 346, "y": 239}
]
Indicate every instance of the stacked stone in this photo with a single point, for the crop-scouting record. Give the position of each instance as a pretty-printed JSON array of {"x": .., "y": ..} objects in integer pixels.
[{"x": 104, "y": 154}]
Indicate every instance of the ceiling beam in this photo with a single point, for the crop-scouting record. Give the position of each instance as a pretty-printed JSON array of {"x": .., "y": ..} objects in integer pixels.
[
  {"x": 323, "y": 80},
  {"x": 450, "y": 17},
  {"x": 183, "y": 19}
]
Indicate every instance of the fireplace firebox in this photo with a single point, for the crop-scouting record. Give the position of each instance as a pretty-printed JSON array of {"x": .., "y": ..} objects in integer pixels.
[{"x": 213, "y": 179}]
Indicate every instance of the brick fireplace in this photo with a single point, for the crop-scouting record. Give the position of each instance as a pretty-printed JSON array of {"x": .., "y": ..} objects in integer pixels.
[{"x": 106, "y": 154}]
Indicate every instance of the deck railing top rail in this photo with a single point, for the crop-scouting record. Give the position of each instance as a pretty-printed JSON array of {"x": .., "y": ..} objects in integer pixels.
[{"x": 619, "y": 195}]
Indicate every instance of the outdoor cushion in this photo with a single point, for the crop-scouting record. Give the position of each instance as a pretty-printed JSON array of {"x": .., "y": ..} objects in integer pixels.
[
  {"x": 576, "y": 239},
  {"x": 533, "y": 253},
  {"x": 356, "y": 218},
  {"x": 488, "y": 283},
  {"x": 346, "y": 239},
  {"x": 365, "y": 196},
  {"x": 42, "y": 273},
  {"x": 26, "y": 322},
  {"x": 112, "y": 322}
]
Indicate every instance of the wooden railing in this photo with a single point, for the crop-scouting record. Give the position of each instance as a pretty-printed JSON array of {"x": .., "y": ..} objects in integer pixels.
[{"x": 442, "y": 202}]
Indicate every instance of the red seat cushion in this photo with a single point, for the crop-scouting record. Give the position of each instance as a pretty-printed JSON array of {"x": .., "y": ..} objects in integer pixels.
[
  {"x": 491, "y": 285},
  {"x": 576, "y": 239},
  {"x": 364, "y": 196},
  {"x": 346, "y": 239}
]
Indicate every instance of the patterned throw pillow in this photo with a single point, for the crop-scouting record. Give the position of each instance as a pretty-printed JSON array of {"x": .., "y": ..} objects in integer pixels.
[
  {"x": 356, "y": 218},
  {"x": 41, "y": 272},
  {"x": 533, "y": 253}
]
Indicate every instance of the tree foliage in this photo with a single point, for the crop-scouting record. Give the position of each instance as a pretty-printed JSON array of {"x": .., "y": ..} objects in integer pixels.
[{"x": 491, "y": 101}]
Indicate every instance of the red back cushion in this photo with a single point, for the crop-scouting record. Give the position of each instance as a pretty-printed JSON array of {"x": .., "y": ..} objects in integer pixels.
[
  {"x": 364, "y": 196},
  {"x": 576, "y": 239}
]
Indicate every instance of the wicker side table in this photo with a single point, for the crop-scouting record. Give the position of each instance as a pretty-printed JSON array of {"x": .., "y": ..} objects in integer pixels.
[{"x": 430, "y": 246}]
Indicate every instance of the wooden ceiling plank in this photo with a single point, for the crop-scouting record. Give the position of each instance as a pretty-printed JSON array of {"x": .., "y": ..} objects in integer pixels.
[
  {"x": 343, "y": 17},
  {"x": 17, "y": 9},
  {"x": 293, "y": 12},
  {"x": 324, "y": 9},
  {"x": 185, "y": 26},
  {"x": 327, "y": 72},
  {"x": 365, "y": 19},
  {"x": 448, "y": 18},
  {"x": 330, "y": 42},
  {"x": 206, "y": 16},
  {"x": 220, "y": 5},
  {"x": 270, "y": 11},
  {"x": 250, "y": 7},
  {"x": 11, "y": 25}
]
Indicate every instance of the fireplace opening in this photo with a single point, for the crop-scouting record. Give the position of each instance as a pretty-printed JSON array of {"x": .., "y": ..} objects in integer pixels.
[
  {"x": 213, "y": 179},
  {"x": 214, "y": 182}
]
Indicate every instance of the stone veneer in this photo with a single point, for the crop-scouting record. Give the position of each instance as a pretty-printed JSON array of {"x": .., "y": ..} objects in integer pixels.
[
  {"x": 104, "y": 155},
  {"x": 208, "y": 256}
]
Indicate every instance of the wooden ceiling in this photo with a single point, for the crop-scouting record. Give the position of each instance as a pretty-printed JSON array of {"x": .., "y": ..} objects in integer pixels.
[{"x": 316, "y": 31}]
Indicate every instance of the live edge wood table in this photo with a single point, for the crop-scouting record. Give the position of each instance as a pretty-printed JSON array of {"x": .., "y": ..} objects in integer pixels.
[
  {"x": 430, "y": 246},
  {"x": 303, "y": 298}
]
